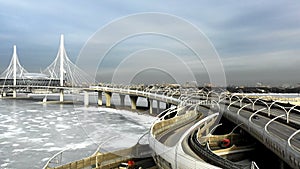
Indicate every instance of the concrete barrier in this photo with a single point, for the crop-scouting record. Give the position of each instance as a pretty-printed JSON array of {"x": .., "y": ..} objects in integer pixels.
[
  {"x": 175, "y": 157},
  {"x": 160, "y": 127},
  {"x": 105, "y": 160}
]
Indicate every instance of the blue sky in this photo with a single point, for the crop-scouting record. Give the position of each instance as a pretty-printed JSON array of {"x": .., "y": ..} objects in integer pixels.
[{"x": 257, "y": 41}]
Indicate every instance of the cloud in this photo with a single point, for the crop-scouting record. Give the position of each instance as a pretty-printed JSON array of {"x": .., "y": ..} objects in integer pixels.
[
  {"x": 242, "y": 32},
  {"x": 275, "y": 68}
]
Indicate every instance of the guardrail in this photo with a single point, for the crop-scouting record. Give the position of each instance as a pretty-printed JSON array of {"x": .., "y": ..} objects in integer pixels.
[
  {"x": 164, "y": 125},
  {"x": 209, "y": 156},
  {"x": 279, "y": 118},
  {"x": 56, "y": 158},
  {"x": 167, "y": 99},
  {"x": 174, "y": 157},
  {"x": 105, "y": 160},
  {"x": 279, "y": 146}
]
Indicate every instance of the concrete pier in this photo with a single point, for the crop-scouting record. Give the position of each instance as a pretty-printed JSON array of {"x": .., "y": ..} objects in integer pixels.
[
  {"x": 133, "y": 100},
  {"x": 158, "y": 107},
  {"x": 86, "y": 99},
  {"x": 100, "y": 102},
  {"x": 150, "y": 105},
  {"x": 14, "y": 93},
  {"x": 61, "y": 95},
  {"x": 168, "y": 105},
  {"x": 122, "y": 100},
  {"x": 108, "y": 98}
]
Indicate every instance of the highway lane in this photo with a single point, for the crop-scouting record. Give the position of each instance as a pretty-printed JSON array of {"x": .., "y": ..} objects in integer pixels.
[
  {"x": 276, "y": 129},
  {"x": 280, "y": 130},
  {"x": 187, "y": 149},
  {"x": 171, "y": 136},
  {"x": 294, "y": 116},
  {"x": 288, "y": 130},
  {"x": 274, "y": 112}
]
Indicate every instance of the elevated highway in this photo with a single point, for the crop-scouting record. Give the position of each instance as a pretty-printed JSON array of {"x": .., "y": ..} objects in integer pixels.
[
  {"x": 278, "y": 136},
  {"x": 274, "y": 125}
]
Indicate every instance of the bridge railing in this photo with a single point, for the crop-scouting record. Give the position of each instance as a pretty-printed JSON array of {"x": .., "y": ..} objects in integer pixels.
[
  {"x": 278, "y": 145},
  {"x": 105, "y": 160},
  {"x": 149, "y": 95},
  {"x": 161, "y": 126}
]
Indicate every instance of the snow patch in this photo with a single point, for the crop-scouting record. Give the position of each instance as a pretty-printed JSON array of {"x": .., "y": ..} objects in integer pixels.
[
  {"x": 32, "y": 111},
  {"x": 4, "y": 165},
  {"x": 19, "y": 150},
  {"x": 46, "y": 134},
  {"x": 48, "y": 144}
]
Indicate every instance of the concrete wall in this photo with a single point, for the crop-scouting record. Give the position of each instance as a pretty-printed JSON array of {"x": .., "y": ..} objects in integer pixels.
[
  {"x": 164, "y": 125},
  {"x": 175, "y": 157},
  {"x": 106, "y": 160}
]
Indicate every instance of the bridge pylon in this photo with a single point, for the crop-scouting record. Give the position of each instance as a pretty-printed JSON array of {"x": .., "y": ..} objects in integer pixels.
[
  {"x": 65, "y": 70},
  {"x": 13, "y": 72},
  {"x": 61, "y": 56}
]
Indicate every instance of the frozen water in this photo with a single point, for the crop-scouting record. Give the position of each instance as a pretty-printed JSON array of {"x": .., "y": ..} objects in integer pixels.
[{"x": 30, "y": 133}]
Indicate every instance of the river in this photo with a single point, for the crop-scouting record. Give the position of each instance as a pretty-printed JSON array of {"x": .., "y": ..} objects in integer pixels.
[{"x": 31, "y": 132}]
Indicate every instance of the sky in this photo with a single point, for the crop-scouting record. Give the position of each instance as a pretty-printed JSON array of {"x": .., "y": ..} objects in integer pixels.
[{"x": 255, "y": 41}]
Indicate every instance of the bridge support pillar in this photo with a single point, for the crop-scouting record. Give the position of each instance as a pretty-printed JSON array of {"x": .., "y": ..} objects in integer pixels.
[
  {"x": 108, "y": 98},
  {"x": 100, "y": 98},
  {"x": 61, "y": 95},
  {"x": 14, "y": 93},
  {"x": 150, "y": 105},
  {"x": 86, "y": 98},
  {"x": 207, "y": 129},
  {"x": 133, "y": 100},
  {"x": 168, "y": 105},
  {"x": 122, "y": 100},
  {"x": 158, "y": 107}
]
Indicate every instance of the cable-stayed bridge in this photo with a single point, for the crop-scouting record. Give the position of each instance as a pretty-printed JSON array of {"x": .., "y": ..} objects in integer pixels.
[
  {"x": 60, "y": 73},
  {"x": 179, "y": 136},
  {"x": 61, "y": 69}
]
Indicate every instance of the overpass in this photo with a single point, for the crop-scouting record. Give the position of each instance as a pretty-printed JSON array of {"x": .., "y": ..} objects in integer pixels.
[
  {"x": 278, "y": 132},
  {"x": 172, "y": 136}
]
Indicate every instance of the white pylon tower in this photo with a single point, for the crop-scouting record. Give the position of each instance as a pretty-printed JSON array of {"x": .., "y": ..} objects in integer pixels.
[
  {"x": 14, "y": 70},
  {"x": 61, "y": 53},
  {"x": 15, "y": 64},
  {"x": 63, "y": 69}
]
